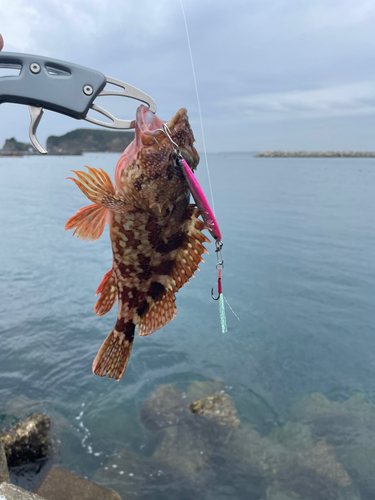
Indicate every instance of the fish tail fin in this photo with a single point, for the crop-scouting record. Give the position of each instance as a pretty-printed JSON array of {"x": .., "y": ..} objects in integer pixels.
[
  {"x": 113, "y": 356},
  {"x": 89, "y": 222}
]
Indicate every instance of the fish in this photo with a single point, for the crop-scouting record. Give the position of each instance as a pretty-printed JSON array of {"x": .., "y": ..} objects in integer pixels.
[{"x": 156, "y": 234}]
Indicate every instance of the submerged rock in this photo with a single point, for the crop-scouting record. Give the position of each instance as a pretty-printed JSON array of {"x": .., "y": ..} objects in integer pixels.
[
  {"x": 219, "y": 407},
  {"x": 59, "y": 484},
  {"x": 317, "y": 405},
  {"x": 294, "y": 436},
  {"x": 164, "y": 407},
  {"x": 322, "y": 459},
  {"x": 275, "y": 493},
  {"x": 266, "y": 456},
  {"x": 4, "y": 473},
  {"x": 183, "y": 450},
  {"x": 27, "y": 441}
]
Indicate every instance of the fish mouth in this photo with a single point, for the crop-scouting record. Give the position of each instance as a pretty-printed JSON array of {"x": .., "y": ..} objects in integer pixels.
[{"x": 149, "y": 132}]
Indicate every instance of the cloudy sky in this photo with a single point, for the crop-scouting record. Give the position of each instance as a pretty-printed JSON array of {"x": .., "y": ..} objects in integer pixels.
[{"x": 271, "y": 74}]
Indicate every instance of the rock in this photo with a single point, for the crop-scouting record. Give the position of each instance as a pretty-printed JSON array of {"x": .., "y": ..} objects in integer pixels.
[
  {"x": 183, "y": 450},
  {"x": 275, "y": 493},
  {"x": 322, "y": 459},
  {"x": 164, "y": 407},
  {"x": 219, "y": 407},
  {"x": 266, "y": 456},
  {"x": 59, "y": 484},
  {"x": 307, "y": 485},
  {"x": 4, "y": 473},
  {"x": 360, "y": 463},
  {"x": 201, "y": 389},
  {"x": 27, "y": 441},
  {"x": 294, "y": 436},
  {"x": 315, "y": 154},
  {"x": 317, "y": 405},
  {"x": 11, "y": 492}
]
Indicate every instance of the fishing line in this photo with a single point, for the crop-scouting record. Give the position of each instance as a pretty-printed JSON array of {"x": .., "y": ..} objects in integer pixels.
[{"x": 199, "y": 105}]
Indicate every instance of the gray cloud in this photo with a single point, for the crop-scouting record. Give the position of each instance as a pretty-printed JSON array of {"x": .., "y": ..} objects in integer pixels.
[{"x": 272, "y": 62}]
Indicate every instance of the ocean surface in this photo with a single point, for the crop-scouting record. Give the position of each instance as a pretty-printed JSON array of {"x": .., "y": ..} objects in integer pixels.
[{"x": 299, "y": 252}]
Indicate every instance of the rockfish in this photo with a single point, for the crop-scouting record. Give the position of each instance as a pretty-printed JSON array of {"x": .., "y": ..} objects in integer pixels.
[{"x": 155, "y": 233}]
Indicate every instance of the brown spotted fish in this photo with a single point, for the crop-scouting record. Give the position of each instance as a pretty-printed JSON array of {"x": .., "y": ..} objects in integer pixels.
[{"x": 155, "y": 233}]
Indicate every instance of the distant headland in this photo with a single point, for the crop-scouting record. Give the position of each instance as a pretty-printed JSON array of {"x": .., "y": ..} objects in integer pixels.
[
  {"x": 77, "y": 142},
  {"x": 314, "y": 154}
]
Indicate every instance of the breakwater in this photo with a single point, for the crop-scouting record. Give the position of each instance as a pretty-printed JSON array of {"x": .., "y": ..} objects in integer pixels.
[{"x": 315, "y": 154}]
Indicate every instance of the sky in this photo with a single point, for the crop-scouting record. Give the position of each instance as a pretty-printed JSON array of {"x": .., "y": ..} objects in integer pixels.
[{"x": 271, "y": 74}]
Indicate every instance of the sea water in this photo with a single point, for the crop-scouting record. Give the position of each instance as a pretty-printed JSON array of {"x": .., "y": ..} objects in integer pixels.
[{"x": 299, "y": 240}]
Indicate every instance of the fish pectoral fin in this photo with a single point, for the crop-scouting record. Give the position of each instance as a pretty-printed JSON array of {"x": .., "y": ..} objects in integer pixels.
[
  {"x": 113, "y": 356},
  {"x": 98, "y": 187},
  {"x": 108, "y": 294},
  {"x": 160, "y": 312},
  {"x": 89, "y": 222}
]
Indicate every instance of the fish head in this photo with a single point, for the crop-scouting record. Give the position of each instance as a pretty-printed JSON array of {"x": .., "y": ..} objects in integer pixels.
[{"x": 147, "y": 173}]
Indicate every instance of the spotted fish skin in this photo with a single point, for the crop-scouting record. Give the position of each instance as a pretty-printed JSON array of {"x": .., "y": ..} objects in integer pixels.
[{"x": 156, "y": 235}]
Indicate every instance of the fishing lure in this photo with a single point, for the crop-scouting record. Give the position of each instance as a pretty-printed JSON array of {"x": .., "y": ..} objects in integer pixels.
[{"x": 210, "y": 220}]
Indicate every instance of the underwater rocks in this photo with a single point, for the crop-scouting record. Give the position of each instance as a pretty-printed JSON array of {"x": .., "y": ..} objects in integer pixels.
[
  {"x": 219, "y": 407},
  {"x": 59, "y": 484},
  {"x": 27, "y": 441},
  {"x": 11, "y": 492},
  {"x": 164, "y": 407}
]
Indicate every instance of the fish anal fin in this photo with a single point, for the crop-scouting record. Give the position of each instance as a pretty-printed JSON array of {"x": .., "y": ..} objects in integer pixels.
[
  {"x": 113, "y": 356},
  {"x": 89, "y": 222},
  {"x": 108, "y": 291},
  {"x": 160, "y": 312}
]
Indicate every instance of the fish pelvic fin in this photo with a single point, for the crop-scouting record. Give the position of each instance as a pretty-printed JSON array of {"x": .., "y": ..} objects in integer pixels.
[
  {"x": 113, "y": 356},
  {"x": 188, "y": 256},
  {"x": 160, "y": 312},
  {"x": 88, "y": 222},
  {"x": 108, "y": 294}
]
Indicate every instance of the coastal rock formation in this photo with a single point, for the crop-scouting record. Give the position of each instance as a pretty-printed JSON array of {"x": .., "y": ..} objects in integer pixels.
[
  {"x": 4, "y": 473},
  {"x": 27, "y": 441},
  {"x": 59, "y": 484},
  {"x": 11, "y": 492},
  {"x": 88, "y": 141}
]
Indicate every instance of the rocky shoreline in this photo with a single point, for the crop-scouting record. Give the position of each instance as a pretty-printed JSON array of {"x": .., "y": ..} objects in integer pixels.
[
  {"x": 73, "y": 143},
  {"x": 323, "y": 450},
  {"x": 315, "y": 154}
]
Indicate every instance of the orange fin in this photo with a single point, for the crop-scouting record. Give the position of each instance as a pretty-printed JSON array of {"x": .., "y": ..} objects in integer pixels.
[
  {"x": 188, "y": 256},
  {"x": 161, "y": 312},
  {"x": 98, "y": 187},
  {"x": 89, "y": 222},
  {"x": 113, "y": 356},
  {"x": 108, "y": 291},
  {"x": 96, "y": 184}
]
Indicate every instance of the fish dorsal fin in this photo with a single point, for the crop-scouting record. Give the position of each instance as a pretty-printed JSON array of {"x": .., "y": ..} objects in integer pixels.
[
  {"x": 188, "y": 256},
  {"x": 160, "y": 312},
  {"x": 108, "y": 291},
  {"x": 89, "y": 222}
]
